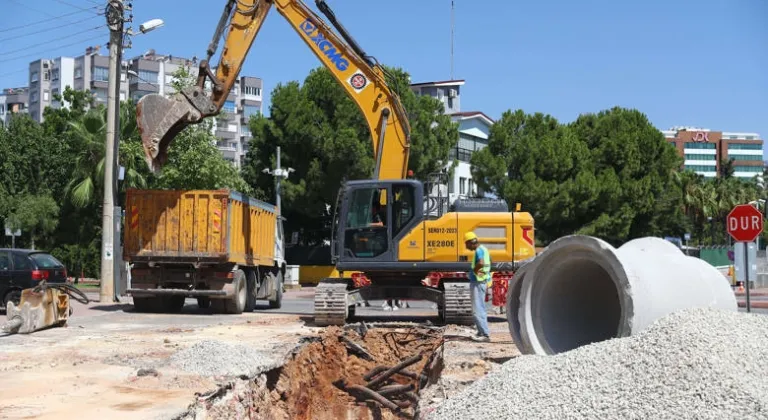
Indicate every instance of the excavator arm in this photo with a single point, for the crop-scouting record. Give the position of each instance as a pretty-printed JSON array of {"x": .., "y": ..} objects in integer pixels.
[{"x": 160, "y": 119}]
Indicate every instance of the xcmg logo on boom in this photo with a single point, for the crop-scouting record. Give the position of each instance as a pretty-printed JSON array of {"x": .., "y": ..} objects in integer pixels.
[{"x": 329, "y": 50}]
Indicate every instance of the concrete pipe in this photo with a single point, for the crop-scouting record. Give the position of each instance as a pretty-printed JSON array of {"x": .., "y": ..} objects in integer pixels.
[{"x": 582, "y": 290}]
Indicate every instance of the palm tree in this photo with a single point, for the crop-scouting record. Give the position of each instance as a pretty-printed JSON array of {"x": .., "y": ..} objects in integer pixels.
[
  {"x": 690, "y": 184},
  {"x": 89, "y": 133},
  {"x": 726, "y": 169}
]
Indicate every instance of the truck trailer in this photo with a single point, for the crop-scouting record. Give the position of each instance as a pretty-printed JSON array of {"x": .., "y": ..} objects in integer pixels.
[{"x": 219, "y": 246}]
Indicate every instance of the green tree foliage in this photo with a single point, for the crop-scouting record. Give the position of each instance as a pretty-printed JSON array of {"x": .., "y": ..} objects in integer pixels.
[
  {"x": 607, "y": 174},
  {"x": 74, "y": 103},
  {"x": 24, "y": 147},
  {"x": 87, "y": 135},
  {"x": 182, "y": 78},
  {"x": 36, "y": 215},
  {"x": 323, "y": 136},
  {"x": 194, "y": 162},
  {"x": 28, "y": 180}
]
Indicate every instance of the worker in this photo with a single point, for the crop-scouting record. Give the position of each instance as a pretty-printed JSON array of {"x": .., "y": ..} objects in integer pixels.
[{"x": 479, "y": 278}]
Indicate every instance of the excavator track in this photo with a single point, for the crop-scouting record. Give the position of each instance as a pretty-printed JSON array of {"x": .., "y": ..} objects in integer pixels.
[
  {"x": 331, "y": 302},
  {"x": 457, "y": 304}
]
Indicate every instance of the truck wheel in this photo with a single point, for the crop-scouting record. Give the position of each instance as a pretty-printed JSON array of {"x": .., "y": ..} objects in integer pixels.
[
  {"x": 146, "y": 304},
  {"x": 236, "y": 305},
  {"x": 277, "y": 303},
  {"x": 219, "y": 306},
  {"x": 203, "y": 302},
  {"x": 174, "y": 304},
  {"x": 251, "y": 277}
]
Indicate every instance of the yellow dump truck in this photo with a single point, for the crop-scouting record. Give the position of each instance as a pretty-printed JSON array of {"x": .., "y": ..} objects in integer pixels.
[{"x": 218, "y": 246}]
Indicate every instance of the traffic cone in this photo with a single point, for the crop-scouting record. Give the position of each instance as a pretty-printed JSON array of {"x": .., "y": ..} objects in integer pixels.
[{"x": 741, "y": 287}]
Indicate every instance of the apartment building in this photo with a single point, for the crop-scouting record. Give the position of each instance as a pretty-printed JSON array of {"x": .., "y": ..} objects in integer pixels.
[
  {"x": 13, "y": 101},
  {"x": 704, "y": 150},
  {"x": 474, "y": 128},
  {"x": 49, "y": 77},
  {"x": 147, "y": 73}
]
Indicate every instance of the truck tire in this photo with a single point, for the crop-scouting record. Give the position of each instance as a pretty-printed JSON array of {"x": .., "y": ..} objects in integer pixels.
[
  {"x": 277, "y": 302},
  {"x": 219, "y": 306},
  {"x": 251, "y": 277},
  {"x": 203, "y": 302},
  {"x": 174, "y": 304},
  {"x": 236, "y": 304},
  {"x": 147, "y": 304}
]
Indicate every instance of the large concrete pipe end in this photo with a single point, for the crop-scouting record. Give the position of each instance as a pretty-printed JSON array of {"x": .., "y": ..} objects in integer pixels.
[{"x": 582, "y": 290}]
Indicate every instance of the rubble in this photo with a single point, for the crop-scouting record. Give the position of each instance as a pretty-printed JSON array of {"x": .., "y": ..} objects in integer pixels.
[{"x": 216, "y": 358}]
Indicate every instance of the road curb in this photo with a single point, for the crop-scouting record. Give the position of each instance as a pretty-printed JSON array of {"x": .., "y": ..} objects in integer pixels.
[{"x": 760, "y": 304}]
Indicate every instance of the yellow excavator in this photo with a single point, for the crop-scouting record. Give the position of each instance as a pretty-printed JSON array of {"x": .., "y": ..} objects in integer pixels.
[{"x": 400, "y": 237}]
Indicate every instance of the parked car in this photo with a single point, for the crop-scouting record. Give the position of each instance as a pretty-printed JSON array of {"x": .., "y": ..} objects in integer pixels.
[{"x": 23, "y": 269}]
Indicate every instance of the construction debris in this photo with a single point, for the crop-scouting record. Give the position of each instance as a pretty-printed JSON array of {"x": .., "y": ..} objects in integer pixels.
[{"x": 693, "y": 364}]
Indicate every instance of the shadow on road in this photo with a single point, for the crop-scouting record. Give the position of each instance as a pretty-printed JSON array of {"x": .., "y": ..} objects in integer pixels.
[{"x": 125, "y": 307}]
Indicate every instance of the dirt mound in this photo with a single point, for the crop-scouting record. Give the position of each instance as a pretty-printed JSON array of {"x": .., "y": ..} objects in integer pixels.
[{"x": 318, "y": 381}]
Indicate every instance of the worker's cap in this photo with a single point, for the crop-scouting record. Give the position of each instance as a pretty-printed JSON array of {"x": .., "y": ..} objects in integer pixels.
[{"x": 470, "y": 236}]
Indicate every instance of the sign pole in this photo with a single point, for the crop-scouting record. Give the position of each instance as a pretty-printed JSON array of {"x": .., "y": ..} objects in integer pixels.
[
  {"x": 13, "y": 241},
  {"x": 746, "y": 274},
  {"x": 745, "y": 223}
]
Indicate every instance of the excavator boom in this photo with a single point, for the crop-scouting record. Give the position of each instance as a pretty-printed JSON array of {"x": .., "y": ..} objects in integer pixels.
[{"x": 160, "y": 118}]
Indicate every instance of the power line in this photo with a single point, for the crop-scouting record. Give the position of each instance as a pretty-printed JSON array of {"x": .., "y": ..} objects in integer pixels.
[
  {"x": 49, "y": 49},
  {"x": 26, "y": 6},
  {"x": 26, "y": 25},
  {"x": 47, "y": 29},
  {"x": 72, "y": 5},
  {"x": 14, "y": 72},
  {"x": 60, "y": 38}
]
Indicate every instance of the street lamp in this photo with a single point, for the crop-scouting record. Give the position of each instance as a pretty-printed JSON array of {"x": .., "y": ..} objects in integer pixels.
[
  {"x": 115, "y": 16},
  {"x": 151, "y": 25},
  {"x": 280, "y": 174}
]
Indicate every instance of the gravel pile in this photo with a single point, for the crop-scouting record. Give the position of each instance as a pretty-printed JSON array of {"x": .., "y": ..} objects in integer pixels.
[
  {"x": 701, "y": 363},
  {"x": 216, "y": 358}
]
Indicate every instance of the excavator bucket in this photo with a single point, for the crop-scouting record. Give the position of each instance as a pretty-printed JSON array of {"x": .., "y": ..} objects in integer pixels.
[{"x": 160, "y": 119}]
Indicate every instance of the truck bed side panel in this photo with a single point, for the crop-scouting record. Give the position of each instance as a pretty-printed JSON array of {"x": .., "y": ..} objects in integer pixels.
[
  {"x": 178, "y": 225},
  {"x": 251, "y": 231}
]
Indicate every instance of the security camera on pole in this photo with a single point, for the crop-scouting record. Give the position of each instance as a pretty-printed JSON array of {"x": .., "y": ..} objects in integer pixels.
[{"x": 745, "y": 224}]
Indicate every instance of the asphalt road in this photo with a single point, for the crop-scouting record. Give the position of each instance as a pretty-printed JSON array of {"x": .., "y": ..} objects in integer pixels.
[
  {"x": 121, "y": 316},
  {"x": 301, "y": 302},
  {"x": 295, "y": 302}
]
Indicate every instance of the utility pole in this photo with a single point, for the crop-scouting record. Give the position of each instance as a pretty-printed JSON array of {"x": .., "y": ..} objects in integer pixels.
[
  {"x": 280, "y": 174},
  {"x": 114, "y": 15},
  {"x": 452, "y": 30}
]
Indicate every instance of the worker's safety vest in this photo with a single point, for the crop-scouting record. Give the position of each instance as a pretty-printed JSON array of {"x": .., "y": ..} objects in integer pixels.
[{"x": 485, "y": 274}]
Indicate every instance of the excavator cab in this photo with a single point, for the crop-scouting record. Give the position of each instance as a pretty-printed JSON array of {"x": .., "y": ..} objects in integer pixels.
[{"x": 360, "y": 238}]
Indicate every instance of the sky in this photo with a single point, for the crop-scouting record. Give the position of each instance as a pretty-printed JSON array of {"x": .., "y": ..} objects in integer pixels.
[{"x": 700, "y": 63}]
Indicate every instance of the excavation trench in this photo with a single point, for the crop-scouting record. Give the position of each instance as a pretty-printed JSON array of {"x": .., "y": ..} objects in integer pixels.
[{"x": 356, "y": 372}]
